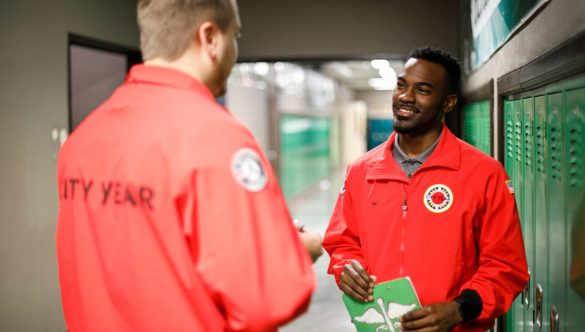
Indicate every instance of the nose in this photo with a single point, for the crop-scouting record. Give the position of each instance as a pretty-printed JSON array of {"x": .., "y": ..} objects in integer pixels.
[{"x": 406, "y": 96}]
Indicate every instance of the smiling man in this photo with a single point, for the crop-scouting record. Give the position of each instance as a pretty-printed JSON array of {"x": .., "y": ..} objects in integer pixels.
[{"x": 431, "y": 207}]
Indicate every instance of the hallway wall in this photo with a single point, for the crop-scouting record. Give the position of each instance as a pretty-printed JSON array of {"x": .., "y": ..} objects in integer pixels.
[{"x": 34, "y": 101}]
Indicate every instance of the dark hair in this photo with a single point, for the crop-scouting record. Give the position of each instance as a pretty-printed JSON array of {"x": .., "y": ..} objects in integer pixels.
[{"x": 442, "y": 58}]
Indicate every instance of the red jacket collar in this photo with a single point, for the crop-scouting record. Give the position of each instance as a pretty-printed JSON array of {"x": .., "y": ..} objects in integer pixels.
[
  {"x": 166, "y": 76},
  {"x": 383, "y": 166}
]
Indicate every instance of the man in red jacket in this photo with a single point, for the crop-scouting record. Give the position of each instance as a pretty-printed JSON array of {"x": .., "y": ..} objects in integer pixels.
[
  {"x": 431, "y": 207},
  {"x": 170, "y": 217}
]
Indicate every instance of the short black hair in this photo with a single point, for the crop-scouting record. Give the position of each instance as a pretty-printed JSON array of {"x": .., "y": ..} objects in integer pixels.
[{"x": 442, "y": 58}]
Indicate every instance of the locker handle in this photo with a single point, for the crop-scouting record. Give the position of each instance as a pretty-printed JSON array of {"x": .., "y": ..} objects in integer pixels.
[
  {"x": 526, "y": 292},
  {"x": 554, "y": 319},
  {"x": 538, "y": 308}
]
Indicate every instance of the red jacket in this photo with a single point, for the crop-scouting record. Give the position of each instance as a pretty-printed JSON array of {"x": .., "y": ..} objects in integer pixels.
[
  {"x": 171, "y": 219},
  {"x": 453, "y": 225}
]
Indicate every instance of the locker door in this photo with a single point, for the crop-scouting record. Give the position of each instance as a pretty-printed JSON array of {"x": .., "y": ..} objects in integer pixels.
[
  {"x": 517, "y": 112},
  {"x": 528, "y": 202},
  {"x": 557, "y": 231},
  {"x": 509, "y": 163},
  {"x": 485, "y": 126},
  {"x": 539, "y": 271},
  {"x": 519, "y": 158},
  {"x": 509, "y": 140},
  {"x": 575, "y": 205}
]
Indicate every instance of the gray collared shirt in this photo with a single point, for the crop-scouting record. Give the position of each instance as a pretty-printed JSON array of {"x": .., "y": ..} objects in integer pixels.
[{"x": 410, "y": 165}]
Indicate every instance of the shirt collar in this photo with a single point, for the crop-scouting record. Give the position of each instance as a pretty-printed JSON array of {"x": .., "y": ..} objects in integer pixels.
[
  {"x": 150, "y": 74},
  {"x": 382, "y": 165},
  {"x": 401, "y": 157}
]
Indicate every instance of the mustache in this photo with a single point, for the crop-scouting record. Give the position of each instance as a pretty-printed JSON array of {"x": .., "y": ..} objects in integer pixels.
[{"x": 411, "y": 107}]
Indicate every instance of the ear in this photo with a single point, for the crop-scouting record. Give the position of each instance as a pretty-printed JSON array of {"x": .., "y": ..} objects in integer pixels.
[
  {"x": 208, "y": 39},
  {"x": 450, "y": 103}
]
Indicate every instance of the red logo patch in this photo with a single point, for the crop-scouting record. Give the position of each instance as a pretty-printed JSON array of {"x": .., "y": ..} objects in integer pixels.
[{"x": 438, "y": 198}]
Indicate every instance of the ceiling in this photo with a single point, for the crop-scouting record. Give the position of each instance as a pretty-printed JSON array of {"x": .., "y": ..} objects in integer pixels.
[{"x": 357, "y": 74}]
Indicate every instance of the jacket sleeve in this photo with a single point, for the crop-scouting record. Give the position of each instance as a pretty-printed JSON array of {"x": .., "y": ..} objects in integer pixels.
[
  {"x": 503, "y": 270},
  {"x": 341, "y": 239},
  {"x": 247, "y": 250}
]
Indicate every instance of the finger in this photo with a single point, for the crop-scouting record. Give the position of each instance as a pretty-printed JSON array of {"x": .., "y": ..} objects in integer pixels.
[
  {"x": 415, "y": 314},
  {"x": 424, "y": 329},
  {"x": 349, "y": 291},
  {"x": 350, "y": 282},
  {"x": 362, "y": 273},
  {"x": 420, "y": 324},
  {"x": 356, "y": 276}
]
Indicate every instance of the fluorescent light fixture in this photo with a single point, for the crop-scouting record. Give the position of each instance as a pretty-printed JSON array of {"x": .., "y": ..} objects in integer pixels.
[
  {"x": 342, "y": 69},
  {"x": 261, "y": 68},
  {"x": 387, "y": 73},
  {"x": 379, "y": 64},
  {"x": 382, "y": 84}
]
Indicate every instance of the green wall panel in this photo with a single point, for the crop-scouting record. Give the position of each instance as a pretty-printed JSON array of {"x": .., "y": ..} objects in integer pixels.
[
  {"x": 476, "y": 125},
  {"x": 305, "y": 156}
]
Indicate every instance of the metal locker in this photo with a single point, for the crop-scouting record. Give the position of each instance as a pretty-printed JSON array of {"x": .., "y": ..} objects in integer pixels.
[
  {"x": 516, "y": 314},
  {"x": 509, "y": 140},
  {"x": 556, "y": 207},
  {"x": 575, "y": 208},
  {"x": 539, "y": 271},
  {"x": 509, "y": 161},
  {"x": 518, "y": 181},
  {"x": 528, "y": 201},
  {"x": 485, "y": 128}
]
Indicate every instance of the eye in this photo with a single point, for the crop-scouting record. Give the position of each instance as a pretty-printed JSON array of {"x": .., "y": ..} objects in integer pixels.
[
  {"x": 399, "y": 85},
  {"x": 423, "y": 91}
]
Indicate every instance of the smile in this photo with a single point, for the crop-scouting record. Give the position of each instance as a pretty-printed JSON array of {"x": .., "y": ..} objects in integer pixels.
[{"x": 405, "y": 111}]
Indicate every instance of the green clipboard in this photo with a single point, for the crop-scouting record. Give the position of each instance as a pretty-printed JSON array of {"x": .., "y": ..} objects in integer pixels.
[{"x": 392, "y": 299}]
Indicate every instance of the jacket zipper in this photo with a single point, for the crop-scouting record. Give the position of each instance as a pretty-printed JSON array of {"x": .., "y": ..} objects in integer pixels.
[{"x": 403, "y": 229}]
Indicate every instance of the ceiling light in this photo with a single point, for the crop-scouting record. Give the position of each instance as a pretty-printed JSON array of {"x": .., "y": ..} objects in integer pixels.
[
  {"x": 382, "y": 84},
  {"x": 387, "y": 73},
  {"x": 380, "y": 63},
  {"x": 261, "y": 68}
]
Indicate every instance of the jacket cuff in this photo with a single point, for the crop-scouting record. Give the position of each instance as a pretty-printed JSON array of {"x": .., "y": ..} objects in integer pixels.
[{"x": 470, "y": 304}]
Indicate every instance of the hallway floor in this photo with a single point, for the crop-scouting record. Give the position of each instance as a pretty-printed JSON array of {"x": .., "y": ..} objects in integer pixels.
[{"x": 326, "y": 312}]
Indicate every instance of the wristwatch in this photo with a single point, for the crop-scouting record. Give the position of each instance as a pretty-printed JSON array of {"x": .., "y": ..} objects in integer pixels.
[
  {"x": 463, "y": 306},
  {"x": 470, "y": 304}
]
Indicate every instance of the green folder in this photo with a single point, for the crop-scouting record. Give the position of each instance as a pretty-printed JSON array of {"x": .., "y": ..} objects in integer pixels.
[{"x": 392, "y": 299}]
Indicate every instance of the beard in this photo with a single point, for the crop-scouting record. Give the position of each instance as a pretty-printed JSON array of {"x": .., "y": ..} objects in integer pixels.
[{"x": 416, "y": 125}]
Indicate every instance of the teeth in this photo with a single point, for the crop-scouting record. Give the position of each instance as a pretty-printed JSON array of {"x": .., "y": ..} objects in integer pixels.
[{"x": 406, "y": 111}]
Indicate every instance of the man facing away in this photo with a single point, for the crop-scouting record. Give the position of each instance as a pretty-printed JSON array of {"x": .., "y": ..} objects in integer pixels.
[
  {"x": 431, "y": 207},
  {"x": 170, "y": 217}
]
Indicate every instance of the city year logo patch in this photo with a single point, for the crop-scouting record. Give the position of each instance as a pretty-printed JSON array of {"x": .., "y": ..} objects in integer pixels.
[
  {"x": 248, "y": 171},
  {"x": 438, "y": 198}
]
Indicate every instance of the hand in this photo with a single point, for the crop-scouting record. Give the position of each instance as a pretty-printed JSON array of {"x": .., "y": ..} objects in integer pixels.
[
  {"x": 436, "y": 317},
  {"x": 356, "y": 282},
  {"x": 312, "y": 242}
]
